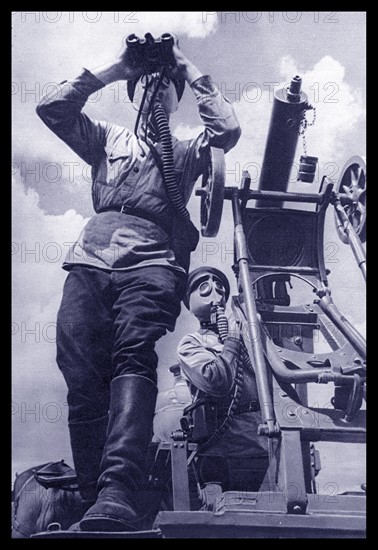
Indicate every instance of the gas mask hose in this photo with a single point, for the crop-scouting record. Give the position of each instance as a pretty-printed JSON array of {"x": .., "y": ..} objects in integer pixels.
[
  {"x": 168, "y": 161},
  {"x": 221, "y": 322}
]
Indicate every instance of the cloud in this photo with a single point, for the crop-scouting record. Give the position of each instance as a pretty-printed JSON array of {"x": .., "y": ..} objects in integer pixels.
[
  {"x": 39, "y": 245},
  {"x": 339, "y": 107},
  {"x": 184, "y": 131},
  {"x": 191, "y": 24}
]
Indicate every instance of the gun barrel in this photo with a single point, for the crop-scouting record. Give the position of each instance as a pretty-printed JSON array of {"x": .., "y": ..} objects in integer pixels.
[{"x": 287, "y": 113}]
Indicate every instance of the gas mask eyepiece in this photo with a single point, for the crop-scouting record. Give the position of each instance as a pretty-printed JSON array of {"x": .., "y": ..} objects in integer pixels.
[
  {"x": 207, "y": 287},
  {"x": 207, "y": 293}
]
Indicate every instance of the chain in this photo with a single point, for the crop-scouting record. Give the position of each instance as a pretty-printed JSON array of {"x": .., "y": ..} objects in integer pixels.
[
  {"x": 305, "y": 124},
  {"x": 304, "y": 144}
]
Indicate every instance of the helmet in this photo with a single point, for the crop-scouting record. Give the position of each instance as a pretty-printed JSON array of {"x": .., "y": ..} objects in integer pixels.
[{"x": 196, "y": 274}]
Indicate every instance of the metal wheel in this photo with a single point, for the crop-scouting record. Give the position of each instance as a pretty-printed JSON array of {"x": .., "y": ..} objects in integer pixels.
[
  {"x": 212, "y": 193},
  {"x": 351, "y": 189}
]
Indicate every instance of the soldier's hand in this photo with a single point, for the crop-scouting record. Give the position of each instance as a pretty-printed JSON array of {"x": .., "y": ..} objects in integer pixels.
[
  {"x": 184, "y": 69},
  {"x": 126, "y": 70},
  {"x": 233, "y": 327},
  {"x": 180, "y": 58}
]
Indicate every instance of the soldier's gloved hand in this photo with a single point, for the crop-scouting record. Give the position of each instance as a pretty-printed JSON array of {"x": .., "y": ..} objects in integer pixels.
[{"x": 233, "y": 327}]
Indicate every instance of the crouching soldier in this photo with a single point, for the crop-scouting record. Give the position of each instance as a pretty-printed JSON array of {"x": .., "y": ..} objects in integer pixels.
[{"x": 226, "y": 412}]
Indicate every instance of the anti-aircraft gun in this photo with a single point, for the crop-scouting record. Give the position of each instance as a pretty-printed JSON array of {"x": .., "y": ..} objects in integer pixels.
[{"x": 274, "y": 244}]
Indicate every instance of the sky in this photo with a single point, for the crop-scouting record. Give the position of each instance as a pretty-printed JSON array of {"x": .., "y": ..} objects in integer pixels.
[{"x": 248, "y": 55}]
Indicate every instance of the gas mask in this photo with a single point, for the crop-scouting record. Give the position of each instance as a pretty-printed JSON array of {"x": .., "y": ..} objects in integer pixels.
[
  {"x": 166, "y": 95},
  {"x": 208, "y": 292}
]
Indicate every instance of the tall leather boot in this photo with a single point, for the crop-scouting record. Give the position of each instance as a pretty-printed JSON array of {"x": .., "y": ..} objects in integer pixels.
[
  {"x": 132, "y": 407},
  {"x": 87, "y": 444}
]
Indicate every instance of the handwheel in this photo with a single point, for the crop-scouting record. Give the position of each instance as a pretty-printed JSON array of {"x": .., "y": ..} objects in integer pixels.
[
  {"x": 351, "y": 189},
  {"x": 212, "y": 193}
]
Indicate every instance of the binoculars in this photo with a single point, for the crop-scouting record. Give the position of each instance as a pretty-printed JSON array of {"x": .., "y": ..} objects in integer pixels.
[{"x": 151, "y": 53}]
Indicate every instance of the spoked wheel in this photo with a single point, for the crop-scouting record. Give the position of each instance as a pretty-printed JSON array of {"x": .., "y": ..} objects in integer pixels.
[
  {"x": 351, "y": 189},
  {"x": 212, "y": 193}
]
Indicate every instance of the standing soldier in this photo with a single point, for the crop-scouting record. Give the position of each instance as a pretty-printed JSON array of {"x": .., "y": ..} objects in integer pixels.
[{"x": 127, "y": 270}]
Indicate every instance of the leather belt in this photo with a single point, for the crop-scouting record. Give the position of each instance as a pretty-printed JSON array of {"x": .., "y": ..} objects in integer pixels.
[
  {"x": 139, "y": 213},
  {"x": 251, "y": 406}
]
